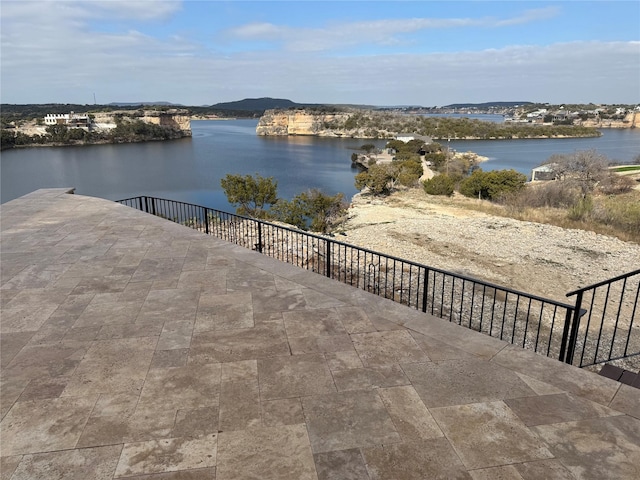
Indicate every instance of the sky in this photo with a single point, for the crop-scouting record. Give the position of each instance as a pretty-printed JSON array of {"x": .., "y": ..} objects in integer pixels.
[{"x": 384, "y": 53}]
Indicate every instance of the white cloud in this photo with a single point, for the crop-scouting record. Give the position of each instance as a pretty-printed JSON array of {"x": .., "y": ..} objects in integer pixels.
[
  {"x": 379, "y": 32},
  {"x": 49, "y": 54}
]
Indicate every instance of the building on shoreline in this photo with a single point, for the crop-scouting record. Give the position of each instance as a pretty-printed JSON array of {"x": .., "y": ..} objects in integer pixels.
[{"x": 71, "y": 120}]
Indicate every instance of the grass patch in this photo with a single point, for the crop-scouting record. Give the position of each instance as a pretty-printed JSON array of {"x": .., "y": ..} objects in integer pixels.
[{"x": 630, "y": 168}]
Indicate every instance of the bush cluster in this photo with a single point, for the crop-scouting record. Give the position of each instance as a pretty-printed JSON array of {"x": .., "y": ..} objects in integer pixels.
[{"x": 257, "y": 197}]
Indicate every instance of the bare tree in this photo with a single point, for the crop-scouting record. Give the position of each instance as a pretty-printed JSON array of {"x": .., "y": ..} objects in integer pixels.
[{"x": 584, "y": 168}]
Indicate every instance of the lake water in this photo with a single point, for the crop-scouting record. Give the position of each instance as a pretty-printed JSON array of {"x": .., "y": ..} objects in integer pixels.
[{"x": 190, "y": 169}]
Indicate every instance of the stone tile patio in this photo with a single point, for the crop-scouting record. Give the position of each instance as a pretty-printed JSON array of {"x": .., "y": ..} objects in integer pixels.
[{"x": 135, "y": 348}]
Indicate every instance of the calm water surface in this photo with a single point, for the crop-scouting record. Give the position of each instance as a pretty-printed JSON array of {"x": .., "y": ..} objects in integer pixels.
[{"x": 190, "y": 169}]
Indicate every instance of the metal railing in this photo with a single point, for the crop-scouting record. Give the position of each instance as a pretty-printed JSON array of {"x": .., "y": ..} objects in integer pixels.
[
  {"x": 611, "y": 328},
  {"x": 546, "y": 326}
]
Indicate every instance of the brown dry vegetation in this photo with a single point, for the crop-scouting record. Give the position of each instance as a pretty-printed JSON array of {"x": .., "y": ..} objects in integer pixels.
[{"x": 613, "y": 215}]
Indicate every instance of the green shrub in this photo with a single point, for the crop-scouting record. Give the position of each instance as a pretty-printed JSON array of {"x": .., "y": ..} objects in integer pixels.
[
  {"x": 441, "y": 184},
  {"x": 378, "y": 179},
  {"x": 493, "y": 184}
]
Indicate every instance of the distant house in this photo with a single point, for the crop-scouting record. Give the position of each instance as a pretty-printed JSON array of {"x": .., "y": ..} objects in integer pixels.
[
  {"x": 544, "y": 172},
  {"x": 407, "y": 137},
  {"x": 71, "y": 120}
]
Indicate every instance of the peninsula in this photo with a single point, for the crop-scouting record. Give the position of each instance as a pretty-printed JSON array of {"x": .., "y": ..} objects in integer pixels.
[
  {"x": 87, "y": 128},
  {"x": 359, "y": 123}
]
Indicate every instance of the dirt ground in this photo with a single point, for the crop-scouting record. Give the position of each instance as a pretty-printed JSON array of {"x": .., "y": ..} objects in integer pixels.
[{"x": 443, "y": 233}]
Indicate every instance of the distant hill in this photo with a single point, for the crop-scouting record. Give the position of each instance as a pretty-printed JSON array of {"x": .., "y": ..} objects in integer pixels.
[
  {"x": 487, "y": 104},
  {"x": 259, "y": 104}
]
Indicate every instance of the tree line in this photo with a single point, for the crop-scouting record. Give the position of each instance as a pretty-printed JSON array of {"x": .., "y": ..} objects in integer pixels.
[{"x": 378, "y": 124}]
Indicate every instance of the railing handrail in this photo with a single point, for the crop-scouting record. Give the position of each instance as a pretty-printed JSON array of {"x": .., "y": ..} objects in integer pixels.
[
  {"x": 374, "y": 252},
  {"x": 604, "y": 282}
]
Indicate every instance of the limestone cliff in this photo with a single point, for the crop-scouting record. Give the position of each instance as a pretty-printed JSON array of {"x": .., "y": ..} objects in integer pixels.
[
  {"x": 175, "y": 120},
  {"x": 316, "y": 123},
  {"x": 631, "y": 120}
]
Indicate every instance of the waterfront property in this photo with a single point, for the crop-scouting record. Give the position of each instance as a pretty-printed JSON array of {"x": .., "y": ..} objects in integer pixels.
[
  {"x": 132, "y": 346},
  {"x": 72, "y": 120}
]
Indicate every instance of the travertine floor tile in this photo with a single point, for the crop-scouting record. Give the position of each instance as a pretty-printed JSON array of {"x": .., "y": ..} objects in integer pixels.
[
  {"x": 313, "y": 322},
  {"x": 170, "y": 358},
  {"x": 410, "y": 417},
  {"x": 414, "y": 461},
  {"x": 341, "y": 464},
  {"x": 191, "y": 474},
  {"x": 627, "y": 400},
  {"x": 42, "y": 425},
  {"x": 294, "y": 376},
  {"x": 240, "y": 405},
  {"x": 113, "y": 366},
  {"x": 367, "y": 378},
  {"x": 438, "y": 351},
  {"x": 552, "y": 469},
  {"x": 284, "y": 411},
  {"x": 343, "y": 360},
  {"x": 8, "y": 466},
  {"x": 101, "y": 313},
  {"x": 167, "y": 455},
  {"x": 565, "y": 377},
  {"x": 196, "y": 422},
  {"x": 188, "y": 387},
  {"x": 269, "y": 452},
  {"x": 488, "y": 435},
  {"x": 278, "y": 301},
  {"x": 137, "y": 427},
  {"x": 321, "y": 344},
  {"x": 455, "y": 382},
  {"x": 385, "y": 348},
  {"x": 564, "y": 407},
  {"x": 47, "y": 360},
  {"x": 508, "y": 472},
  {"x": 225, "y": 311},
  {"x": 340, "y": 421},
  {"x": 97, "y": 463},
  {"x": 597, "y": 448},
  {"x": 266, "y": 339},
  {"x": 211, "y": 280}
]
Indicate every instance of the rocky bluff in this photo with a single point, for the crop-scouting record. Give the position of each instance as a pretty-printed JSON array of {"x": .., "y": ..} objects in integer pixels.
[{"x": 313, "y": 122}]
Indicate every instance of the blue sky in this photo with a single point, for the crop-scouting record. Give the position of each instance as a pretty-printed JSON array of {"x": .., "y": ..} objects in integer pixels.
[{"x": 201, "y": 52}]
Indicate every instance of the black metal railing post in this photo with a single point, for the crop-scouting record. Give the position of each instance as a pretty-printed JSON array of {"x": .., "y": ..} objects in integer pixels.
[
  {"x": 575, "y": 326},
  {"x": 206, "y": 220},
  {"x": 146, "y": 204},
  {"x": 565, "y": 335},
  {"x": 328, "y": 258},
  {"x": 425, "y": 290},
  {"x": 260, "y": 237}
]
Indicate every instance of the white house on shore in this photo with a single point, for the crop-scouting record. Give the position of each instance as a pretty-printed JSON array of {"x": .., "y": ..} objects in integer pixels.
[
  {"x": 407, "y": 137},
  {"x": 73, "y": 120},
  {"x": 544, "y": 172}
]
